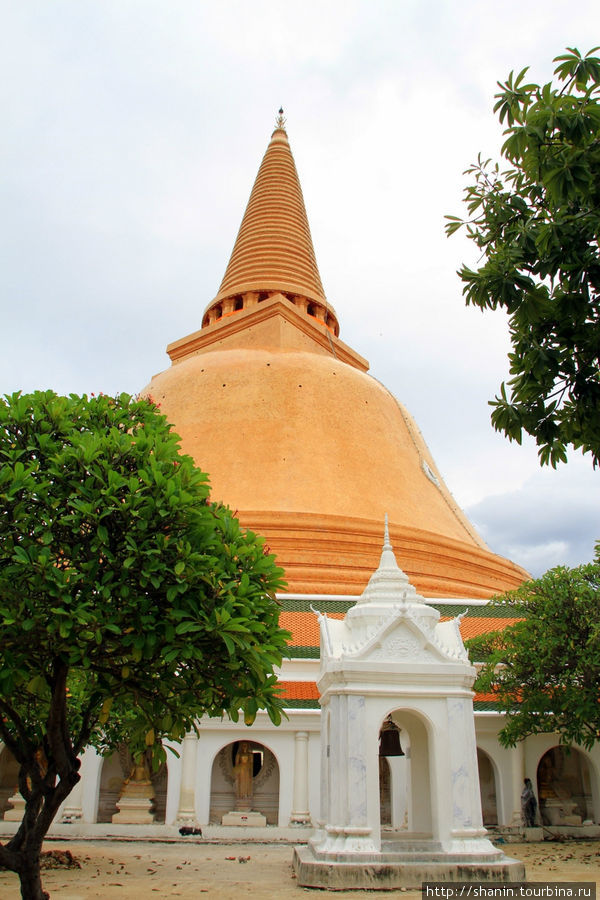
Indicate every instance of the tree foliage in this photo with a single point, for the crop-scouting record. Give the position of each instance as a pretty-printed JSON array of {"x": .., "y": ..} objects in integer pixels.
[
  {"x": 545, "y": 668},
  {"x": 537, "y": 225},
  {"x": 130, "y": 605}
]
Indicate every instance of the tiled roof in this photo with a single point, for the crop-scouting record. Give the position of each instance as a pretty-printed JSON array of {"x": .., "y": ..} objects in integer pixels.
[
  {"x": 304, "y": 626},
  {"x": 300, "y": 694},
  {"x": 299, "y": 690},
  {"x": 472, "y": 626}
]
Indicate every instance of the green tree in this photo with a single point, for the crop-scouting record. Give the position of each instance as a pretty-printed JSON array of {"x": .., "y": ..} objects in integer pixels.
[
  {"x": 537, "y": 225},
  {"x": 130, "y": 605},
  {"x": 545, "y": 668}
]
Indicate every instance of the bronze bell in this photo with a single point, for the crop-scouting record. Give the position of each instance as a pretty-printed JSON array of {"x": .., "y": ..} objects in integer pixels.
[{"x": 389, "y": 739}]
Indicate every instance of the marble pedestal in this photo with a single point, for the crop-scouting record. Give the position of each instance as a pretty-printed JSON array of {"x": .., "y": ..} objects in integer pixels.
[
  {"x": 15, "y": 814},
  {"x": 136, "y": 804},
  {"x": 560, "y": 812}
]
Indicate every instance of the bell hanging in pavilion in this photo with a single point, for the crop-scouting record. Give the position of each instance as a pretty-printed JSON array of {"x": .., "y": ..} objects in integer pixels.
[{"x": 389, "y": 739}]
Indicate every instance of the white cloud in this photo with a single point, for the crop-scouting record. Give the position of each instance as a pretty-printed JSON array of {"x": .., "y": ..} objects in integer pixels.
[
  {"x": 132, "y": 133},
  {"x": 552, "y": 519}
]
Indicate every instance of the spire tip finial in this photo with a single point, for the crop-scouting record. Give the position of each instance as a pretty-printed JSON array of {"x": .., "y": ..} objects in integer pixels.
[
  {"x": 386, "y": 534},
  {"x": 280, "y": 120}
]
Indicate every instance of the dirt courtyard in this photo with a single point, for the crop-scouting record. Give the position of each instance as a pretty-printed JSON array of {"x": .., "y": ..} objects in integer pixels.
[{"x": 114, "y": 870}]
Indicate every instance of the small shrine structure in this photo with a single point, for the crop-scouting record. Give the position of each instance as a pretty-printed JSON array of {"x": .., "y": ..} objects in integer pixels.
[{"x": 390, "y": 665}]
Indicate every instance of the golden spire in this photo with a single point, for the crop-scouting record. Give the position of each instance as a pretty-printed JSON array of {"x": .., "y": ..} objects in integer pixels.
[{"x": 273, "y": 251}]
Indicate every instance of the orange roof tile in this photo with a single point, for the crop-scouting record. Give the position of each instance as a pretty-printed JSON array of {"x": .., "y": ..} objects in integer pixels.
[
  {"x": 304, "y": 627},
  {"x": 299, "y": 690},
  {"x": 471, "y": 626},
  {"x": 488, "y": 697}
]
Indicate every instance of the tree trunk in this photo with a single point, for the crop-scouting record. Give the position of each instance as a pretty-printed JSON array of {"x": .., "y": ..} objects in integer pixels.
[
  {"x": 30, "y": 876},
  {"x": 25, "y": 846}
]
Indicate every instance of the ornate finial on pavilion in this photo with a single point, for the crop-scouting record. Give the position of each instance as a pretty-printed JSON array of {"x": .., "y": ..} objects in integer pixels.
[
  {"x": 386, "y": 534},
  {"x": 388, "y": 584},
  {"x": 280, "y": 120}
]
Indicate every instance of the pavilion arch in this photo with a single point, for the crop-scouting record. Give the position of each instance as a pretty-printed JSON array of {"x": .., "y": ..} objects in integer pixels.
[
  {"x": 488, "y": 787},
  {"x": 568, "y": 786},
  {"x": 114, "y": 770},
  {"x": 265, "y": 782},
  {"x": 411, "y": 775}
]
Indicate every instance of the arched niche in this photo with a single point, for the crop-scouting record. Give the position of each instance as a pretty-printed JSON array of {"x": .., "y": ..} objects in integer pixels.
[
  {"x": 116, "y": 768},
  {"x": 487, "y": 787},
  {"x": 565, "y": 787},
  {"x": 265, "y": 782},
  {"x": 9, "y": 779}
]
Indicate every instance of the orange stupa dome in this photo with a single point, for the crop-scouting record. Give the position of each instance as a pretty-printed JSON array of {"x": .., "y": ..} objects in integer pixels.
[{"x": 296, "y": 436}]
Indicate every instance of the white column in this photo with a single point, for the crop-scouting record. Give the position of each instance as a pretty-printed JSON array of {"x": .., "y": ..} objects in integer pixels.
[
  {"x": 300, "y": 814},
  {"x": 187, "y": 793},
  {"x": 72, "y": 810},
  {"x": 518, "y": 773},
  {"x": 350, "y": 827}
]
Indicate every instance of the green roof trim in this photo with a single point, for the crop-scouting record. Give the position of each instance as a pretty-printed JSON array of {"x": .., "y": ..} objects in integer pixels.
[
  {"x": 296, "y": 652},
  {"x": 324, "y": 606},
  {"x": 301, "y": 704},
  {"x": 449, "y": 610},
  {"x": 475, "y": 612}
]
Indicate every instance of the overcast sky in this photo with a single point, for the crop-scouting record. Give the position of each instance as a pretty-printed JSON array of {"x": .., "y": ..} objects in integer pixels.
[{"x": 132, "y": 134}]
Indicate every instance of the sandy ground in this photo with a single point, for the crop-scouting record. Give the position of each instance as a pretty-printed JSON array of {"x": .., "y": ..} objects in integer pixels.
[{"x": 135, "y": 870}]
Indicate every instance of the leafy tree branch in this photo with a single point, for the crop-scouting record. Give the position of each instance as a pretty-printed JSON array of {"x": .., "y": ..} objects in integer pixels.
[
  {"x": 537, "y": 225},
  {"x": 544, "y": 669}
]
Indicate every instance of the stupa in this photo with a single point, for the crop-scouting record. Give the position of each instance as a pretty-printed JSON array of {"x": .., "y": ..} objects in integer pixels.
[
  {"x": 312, "y": 452},
  {"x": 296, "y": 436}
]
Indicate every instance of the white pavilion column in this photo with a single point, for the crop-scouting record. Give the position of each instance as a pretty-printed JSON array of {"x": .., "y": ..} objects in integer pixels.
[
  {"x": 517, "y": 775},
  {"x": 72, "y": 810},
  {"x": 187, "y": 792},
  {"x": 348, "y": 827},
  {"x": 300, "y": 814},
  {"x": 465, "y": 812}
]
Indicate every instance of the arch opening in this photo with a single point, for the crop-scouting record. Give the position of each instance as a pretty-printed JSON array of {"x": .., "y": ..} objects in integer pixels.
[
  {"x": 405, "y": 781},
  {"x": 116, "y": 769},
  {"x": 487, "y": 788},
  {"x": 256, "y": 788},
  {"x": 9, "y": 780},
  {"x": 564, "y": 782}
]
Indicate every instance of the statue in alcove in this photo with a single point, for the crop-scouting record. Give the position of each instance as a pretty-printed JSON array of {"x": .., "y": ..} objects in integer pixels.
[{"x": 243, "y": 773}]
